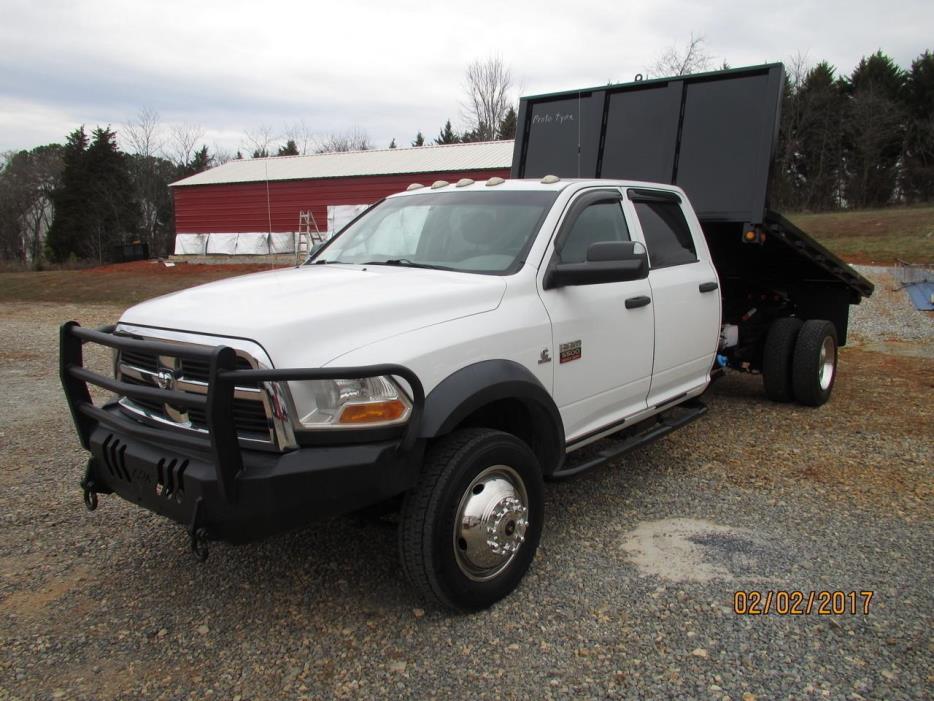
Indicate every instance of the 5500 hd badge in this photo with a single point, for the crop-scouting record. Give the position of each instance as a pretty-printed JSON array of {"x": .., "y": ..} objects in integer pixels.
[{"x": 570, "y": 351}]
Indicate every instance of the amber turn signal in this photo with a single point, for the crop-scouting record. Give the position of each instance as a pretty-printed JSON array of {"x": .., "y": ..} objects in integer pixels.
[{"x": 373, "y": 412}]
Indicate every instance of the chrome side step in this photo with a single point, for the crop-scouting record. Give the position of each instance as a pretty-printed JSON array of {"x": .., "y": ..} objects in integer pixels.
[{"x": 659, "y": 426}]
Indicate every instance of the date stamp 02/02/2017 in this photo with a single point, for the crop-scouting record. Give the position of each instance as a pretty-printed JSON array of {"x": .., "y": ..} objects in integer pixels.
[{"x": 802, "y": 603}]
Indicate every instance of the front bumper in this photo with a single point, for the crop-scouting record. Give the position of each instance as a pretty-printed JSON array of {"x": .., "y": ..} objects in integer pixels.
[{"x": 210, "y": 483}]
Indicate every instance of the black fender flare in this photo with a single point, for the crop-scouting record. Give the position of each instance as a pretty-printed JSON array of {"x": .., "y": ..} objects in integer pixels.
[{"x": 471, "y": 388}]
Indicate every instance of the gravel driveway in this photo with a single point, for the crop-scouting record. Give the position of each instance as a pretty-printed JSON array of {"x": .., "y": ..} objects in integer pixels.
[{"x": 631, "y": 596}]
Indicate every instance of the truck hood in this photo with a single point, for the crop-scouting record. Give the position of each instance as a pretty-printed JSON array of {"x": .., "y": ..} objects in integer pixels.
[{"x": 307, "y": 316}]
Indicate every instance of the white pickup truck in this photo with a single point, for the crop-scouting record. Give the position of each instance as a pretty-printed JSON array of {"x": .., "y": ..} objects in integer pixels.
[{"x": 447, "y": 352}]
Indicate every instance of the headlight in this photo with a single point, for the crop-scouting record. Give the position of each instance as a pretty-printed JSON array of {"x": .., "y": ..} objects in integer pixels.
[{"x": 364, "y": 402}]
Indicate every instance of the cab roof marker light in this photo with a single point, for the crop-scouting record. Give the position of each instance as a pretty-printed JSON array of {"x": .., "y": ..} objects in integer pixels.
[
  {"x": 495, "y": 180},
  {"x": 438, "y": 184},
  {"x": 550, "y": 180},
  {"x": 464, "y": 182},
  {"x": 414, "y": 186}
]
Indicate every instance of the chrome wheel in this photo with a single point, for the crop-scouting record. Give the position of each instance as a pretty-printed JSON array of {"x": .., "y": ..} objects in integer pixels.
[
  {"x": 491, "y": 522},
  {"x": 827, "y": 362}
]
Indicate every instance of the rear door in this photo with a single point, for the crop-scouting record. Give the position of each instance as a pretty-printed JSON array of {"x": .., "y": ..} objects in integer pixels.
[
  {"x": 603, "y": 349},
  {"x": 685, "y": 293}
]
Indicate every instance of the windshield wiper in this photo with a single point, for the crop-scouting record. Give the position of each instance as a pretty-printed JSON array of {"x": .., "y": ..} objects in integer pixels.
[{"x": 407, "y": 263}]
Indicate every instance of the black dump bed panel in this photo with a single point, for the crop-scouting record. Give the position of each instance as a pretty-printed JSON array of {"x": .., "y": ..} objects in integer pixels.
[{"x": 713, "y": 134}]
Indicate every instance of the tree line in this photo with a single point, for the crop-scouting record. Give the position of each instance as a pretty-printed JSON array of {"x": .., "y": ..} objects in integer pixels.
[
  {"x": 77, "y": 201},
  {"x": 863, "y": 139},
  {"x": 860, "y": 140}
]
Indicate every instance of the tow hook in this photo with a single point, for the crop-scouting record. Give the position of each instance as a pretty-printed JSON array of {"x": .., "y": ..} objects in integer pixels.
[
  {"x": 198, "y": 535},
  {"x": 199, "y": 543},
  {"x": 89, "y": 488},
  {"x": 90, "y": 498}
]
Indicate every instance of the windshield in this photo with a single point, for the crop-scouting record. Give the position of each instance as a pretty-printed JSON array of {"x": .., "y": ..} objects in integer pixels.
[{"x": 477, "y": 232}]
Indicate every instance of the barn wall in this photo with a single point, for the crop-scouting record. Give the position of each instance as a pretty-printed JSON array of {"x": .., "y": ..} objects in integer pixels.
[{"x": 241, "y": 207}]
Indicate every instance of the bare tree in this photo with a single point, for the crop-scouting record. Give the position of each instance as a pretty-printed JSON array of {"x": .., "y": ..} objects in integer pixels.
[
  {"x": 221, "y": 155},
  {"x": 682, "y": 60},
  {"x": 183, "y": 142},
  {"x": 259, "y": 142},
  {"x": 487, "y": 85},
  {"x": 143, "y": 134},
  {"x": 354, "y": 139},
  {"x": 27, "y": 179},
  {"x": 300, "y": 134}
]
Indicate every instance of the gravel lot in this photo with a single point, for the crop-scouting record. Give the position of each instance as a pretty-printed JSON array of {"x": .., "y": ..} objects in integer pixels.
[
  {"x": 631, "y": 595},
  {"x": 887, "y": 320}
]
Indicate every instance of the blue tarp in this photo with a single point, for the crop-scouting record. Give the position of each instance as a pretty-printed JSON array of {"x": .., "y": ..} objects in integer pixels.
[{"x": 922, "y": 295}]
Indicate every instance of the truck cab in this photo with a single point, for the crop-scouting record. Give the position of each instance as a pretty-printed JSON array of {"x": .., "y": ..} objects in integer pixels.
[{"x": 446, "y": 353}]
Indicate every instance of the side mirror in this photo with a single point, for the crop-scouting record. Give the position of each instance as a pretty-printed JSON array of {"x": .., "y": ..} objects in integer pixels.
[{"x": 607, "y": 261}]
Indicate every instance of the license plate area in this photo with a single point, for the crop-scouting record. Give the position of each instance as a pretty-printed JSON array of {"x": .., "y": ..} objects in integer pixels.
[{"x": 141, "y": 474}]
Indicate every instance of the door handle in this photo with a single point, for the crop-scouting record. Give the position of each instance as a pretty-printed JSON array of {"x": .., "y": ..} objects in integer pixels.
[
  {"x": 707, "y": 286},
  {"x": 640, "y": 301}
]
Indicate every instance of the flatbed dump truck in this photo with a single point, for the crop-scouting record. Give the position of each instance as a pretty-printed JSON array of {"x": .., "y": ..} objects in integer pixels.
[
  {"x": 714, "y": 135},
  {"x": 457, "y": 344}
]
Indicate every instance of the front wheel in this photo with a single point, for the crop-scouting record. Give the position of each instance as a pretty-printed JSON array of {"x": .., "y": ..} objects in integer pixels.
[{"x": 471, "y": 526}]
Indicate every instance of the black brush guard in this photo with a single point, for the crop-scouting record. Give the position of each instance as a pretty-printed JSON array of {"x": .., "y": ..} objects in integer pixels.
[{"x": 220, "y": 445}]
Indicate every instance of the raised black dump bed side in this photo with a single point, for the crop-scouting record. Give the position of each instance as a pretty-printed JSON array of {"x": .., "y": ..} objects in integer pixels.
[{"x": 714, "y": 135}]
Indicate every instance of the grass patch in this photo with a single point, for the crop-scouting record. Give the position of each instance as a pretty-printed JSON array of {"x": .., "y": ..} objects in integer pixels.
[
  {"x": 874, "y": 235},
  {"x": 126, "y": 284}
]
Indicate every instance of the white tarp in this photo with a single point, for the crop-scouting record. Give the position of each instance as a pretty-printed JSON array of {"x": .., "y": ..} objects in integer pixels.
[
  {"x": 190, "y": 244},
  {"x": 283, "y": 242},
  {"x": 248, "y": 244}
]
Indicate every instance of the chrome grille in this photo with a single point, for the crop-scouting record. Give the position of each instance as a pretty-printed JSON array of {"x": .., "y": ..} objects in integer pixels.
[{"x": 252, "y": 415}]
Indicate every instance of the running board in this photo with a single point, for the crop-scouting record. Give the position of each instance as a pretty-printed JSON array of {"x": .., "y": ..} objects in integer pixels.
[{"x": 685, "y": 414}]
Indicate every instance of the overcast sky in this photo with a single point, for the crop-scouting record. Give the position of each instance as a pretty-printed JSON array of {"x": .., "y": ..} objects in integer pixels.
[{"x": 390, "y": 68}]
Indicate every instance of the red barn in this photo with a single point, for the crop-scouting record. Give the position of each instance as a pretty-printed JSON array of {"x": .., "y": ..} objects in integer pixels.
[{"x": 253, "y": 207}]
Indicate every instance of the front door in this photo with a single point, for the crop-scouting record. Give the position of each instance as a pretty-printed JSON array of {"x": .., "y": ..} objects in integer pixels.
[{"x": 603, "y": 348}]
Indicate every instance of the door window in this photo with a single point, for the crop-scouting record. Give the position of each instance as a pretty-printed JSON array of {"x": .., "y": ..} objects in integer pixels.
[
  {"x": 601, "y": 221},
  {"x": 667, "y": 234}
]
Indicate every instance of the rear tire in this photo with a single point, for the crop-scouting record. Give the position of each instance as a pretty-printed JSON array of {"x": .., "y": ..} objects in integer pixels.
[
  {"x": 815, "y": 362},
  {"x": 471, "y": 526},
  {"x": 777, "y": 359}
]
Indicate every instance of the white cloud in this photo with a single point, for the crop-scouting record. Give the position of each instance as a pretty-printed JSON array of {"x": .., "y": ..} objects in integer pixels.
[{"x": 391, "y": 68}]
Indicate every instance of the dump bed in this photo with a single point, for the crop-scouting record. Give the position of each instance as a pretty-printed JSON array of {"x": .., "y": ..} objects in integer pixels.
[{"x": 714, "y": 135}]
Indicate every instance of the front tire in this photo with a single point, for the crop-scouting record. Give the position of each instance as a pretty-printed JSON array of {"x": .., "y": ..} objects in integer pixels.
[
  {"x": 471, "y": 526},
  {"x": 815, "y": 362}
]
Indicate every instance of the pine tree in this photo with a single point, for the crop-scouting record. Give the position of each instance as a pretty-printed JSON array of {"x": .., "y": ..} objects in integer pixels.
[
  {"x": 114, "y": 211},
  {"x": 918, "y": 175},
  {"x": 290, "y": 149},
  {"x": 783, "y": 183},
  {"x": 819, "y": 163},
  {"x": 200, "y": 162},
  {"x": 507, "y": 125},
  {"x": 71, "y": 226},
  {"x": 874, "y": 131},
  {"x": 419, "y": 140},
  {"x": 447, "y": 135},
  {"x": 392, "y": 144},
  {"x": 471, "y": 136}
]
